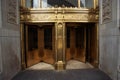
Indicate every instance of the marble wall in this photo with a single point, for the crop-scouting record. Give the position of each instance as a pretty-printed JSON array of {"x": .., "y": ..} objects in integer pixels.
[
  {"x": 0, "y": 42},
  {"x": 119, "y": 61},
  {"x": 0, "y": 59},
  {"x": 9, "y": 39},
  {"x": 109, "y": 42},
  {"x": 118, "y": 23},
  {"x": 0, "y": 16}
]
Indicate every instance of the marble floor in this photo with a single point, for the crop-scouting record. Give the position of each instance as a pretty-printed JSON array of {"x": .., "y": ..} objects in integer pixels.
[
  {"x": 75, "y": 71},
  {"x": 72, "y": 64},
  {"x": 41, "y": 66}
]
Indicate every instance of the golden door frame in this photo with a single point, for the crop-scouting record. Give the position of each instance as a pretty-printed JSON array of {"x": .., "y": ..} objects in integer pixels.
[
  {"x": 35, "y": 49},
  {"x": 60, "y": 46},
  {"x": 59, "y": 16}
]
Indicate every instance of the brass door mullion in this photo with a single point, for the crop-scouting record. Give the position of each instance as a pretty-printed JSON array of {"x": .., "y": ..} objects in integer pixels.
[
  {"x": 78, "y": 3},
  {"x": 85, "y": 42},
  {"x": 26, "y": 35},
  {"x": 53, "y": 41},
  {"x": 56, "y": 40},
  {"x": 64, "y": 41},
  {"x": 23, "y": 3},
  {"x": 89, "y": 43},
  {"x": 60, "y": 41}
]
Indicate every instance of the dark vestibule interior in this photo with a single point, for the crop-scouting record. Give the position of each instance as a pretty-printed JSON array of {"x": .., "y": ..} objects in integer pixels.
[
  {"x": 39, "y": 44},
  {"x": 81, "y": 42},
  {"x": 59, "y": 3}
]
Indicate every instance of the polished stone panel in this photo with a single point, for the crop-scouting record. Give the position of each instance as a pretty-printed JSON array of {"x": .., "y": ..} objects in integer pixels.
[
  {"x": 109, "y": 35},
  {"x": 9, "y": 41},
  {"x": 73, "y": 64},
  {"x": 112, "y": 31},
  {"x": 10, "y": 47},
  {"x": 41, "y": 66},
  {"x": 9, "y": 32},
  {"x": 9, "y": 54},
  {"x": 119, "y": 61},
  {"x": 108, "y": 55}
]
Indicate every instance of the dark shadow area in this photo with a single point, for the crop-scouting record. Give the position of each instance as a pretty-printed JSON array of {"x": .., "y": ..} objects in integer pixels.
[
  {"x": 76, "y": 74},
  {"x": 60, "y": 3}
]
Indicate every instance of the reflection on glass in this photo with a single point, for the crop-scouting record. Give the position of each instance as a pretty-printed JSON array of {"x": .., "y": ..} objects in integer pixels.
[
  {"x": 32, "y": 38},
  {"x": 59, "y": 3},
  {"x": 79, "y": 38},
  {"x": 82, "y": 3},
  {"x": 36, "y": 3},
  {"x": 48, "y": 38},
  {"x": 28, "y": 3},
  {"x": 68, "y": 37},
  {"x": 86, "y": 3},
  {"x": 89, "y": 3},
  {"x": 44, "y": 3}
]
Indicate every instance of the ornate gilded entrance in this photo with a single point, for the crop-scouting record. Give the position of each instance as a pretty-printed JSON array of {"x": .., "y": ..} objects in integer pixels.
[
  {"x": 81, "y": 42},
  {"x": 39, "y": 45},
  {"x": 69, "y": 37}
]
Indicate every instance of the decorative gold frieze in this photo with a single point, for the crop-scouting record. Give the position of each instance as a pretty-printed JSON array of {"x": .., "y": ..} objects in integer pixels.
[
  {"x": 59, "y": 14},
  {"x": 80, "y": 17}
]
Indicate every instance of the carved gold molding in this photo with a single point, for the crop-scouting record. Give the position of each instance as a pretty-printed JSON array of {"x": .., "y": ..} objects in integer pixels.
[{"x": 59, "y": 14}]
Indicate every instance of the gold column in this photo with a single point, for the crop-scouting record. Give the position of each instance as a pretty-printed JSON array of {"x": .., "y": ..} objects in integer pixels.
[
  {"x": 94, "y": 2},
  {"x": 60, "y": 45},
  {"x": 23, "y": 2},
  {"x": 53, "y": 41},
  {"x": 78, "y": 3},
  {"x": 64, "y": 41},
  {"x": 22, "y": 46}
]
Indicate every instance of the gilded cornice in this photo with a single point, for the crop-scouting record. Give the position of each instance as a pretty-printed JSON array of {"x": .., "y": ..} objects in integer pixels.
[{"x": 58, "y": 14}]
